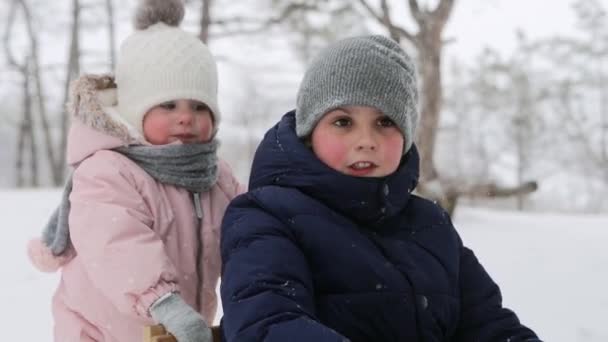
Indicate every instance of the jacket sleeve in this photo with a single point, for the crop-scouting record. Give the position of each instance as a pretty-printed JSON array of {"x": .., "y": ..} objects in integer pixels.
[
  {"x": 482, "y": 316},
  {"x": 267, "y": 291},
  {"x": 111, "y": 230},
  {"x": 230, "y": 186}
]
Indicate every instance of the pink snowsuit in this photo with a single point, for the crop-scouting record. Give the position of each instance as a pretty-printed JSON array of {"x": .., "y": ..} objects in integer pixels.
[{"x": 135, "y": 239}]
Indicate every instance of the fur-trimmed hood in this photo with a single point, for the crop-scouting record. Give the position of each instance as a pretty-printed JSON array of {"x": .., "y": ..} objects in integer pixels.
[{"x": 95, "y": 122}]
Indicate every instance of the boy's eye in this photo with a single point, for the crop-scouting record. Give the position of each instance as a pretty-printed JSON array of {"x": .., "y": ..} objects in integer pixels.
[
  {"x": 386, "y": 122},
  {"x": 342, "y": 122},
  {"x": 168, "y": 105}
]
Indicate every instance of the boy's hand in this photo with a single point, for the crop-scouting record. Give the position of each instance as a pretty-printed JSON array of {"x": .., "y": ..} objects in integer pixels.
[{"x": 181, "y": 320}]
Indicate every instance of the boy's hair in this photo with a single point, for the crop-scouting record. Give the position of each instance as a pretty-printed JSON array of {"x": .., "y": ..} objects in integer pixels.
[
  {"x": 160, "y": 62},
  {"x": 361, "y": 71}
]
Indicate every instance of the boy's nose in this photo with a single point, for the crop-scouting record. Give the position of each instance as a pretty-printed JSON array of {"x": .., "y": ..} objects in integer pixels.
[
  {"x": 365, "y": 146},
  {"x": 366, "y": 141}
]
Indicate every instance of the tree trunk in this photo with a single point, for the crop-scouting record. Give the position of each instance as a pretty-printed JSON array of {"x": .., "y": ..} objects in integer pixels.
[
  {"x": 429, "y": 45},
  {"x": 603, "y": 108},
  {"x": 73, "y": 70},
  {"x": 27, "y": 125},
  {"x": 28, "y": 118},
  {"x": 56, "y": 175},
  {"x": 205, "y": 22},
  {"x": 431, "y": 98},
  {"x": 111, "y": 34},
  {"x": 24, "y": 131}
]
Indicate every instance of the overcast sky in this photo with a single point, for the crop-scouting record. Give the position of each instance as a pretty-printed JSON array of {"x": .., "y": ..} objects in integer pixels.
[{"x": 478, "y": 23}]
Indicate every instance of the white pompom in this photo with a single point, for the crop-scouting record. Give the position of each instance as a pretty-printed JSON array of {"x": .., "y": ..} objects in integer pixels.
[{"x": 42, "y": 257}]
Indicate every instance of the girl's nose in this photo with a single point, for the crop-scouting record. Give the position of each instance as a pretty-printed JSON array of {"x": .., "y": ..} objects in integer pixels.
[{"x": 185, "y": 117}]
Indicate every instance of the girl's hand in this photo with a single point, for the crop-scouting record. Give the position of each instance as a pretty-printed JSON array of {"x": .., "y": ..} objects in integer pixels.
[{"x": 180, "y": 319}]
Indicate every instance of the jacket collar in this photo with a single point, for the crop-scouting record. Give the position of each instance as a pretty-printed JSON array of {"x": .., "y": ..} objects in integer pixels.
[
  {"x": 93, "y": 102},
  {"x": 283, "y": 159}
]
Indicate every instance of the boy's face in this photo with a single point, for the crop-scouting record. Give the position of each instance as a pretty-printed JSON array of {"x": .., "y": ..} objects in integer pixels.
[
  {"x": 358, "y": 141},
  {"x": 188, "y": 121}
]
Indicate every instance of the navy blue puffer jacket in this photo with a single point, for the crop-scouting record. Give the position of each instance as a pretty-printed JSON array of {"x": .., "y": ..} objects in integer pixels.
[{"x": 310, "y": 254}]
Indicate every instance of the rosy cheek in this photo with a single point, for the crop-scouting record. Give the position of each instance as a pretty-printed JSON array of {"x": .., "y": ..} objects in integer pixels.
[
  {"x": 156, "y": 130},
  {"x": 206, "y": 131},
  {"x": 331, "y": 151},
  {"x": 394, "y": 151},
  {"x": 206, "y": 128}
]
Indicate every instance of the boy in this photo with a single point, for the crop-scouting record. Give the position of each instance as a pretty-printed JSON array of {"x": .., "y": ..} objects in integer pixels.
[{"x": 330, "y": 244}]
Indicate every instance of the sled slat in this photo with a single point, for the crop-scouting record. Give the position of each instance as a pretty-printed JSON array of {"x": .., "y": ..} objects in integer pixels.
[{"x": 157, "y": 333}]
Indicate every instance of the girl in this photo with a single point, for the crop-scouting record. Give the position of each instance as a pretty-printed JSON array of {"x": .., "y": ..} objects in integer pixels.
[
  {"x": 330, "y": 244},
  {"x": 137, "y": 233}
]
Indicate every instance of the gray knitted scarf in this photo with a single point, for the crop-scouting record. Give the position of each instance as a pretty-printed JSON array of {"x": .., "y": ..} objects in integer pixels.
[{"x": 189, "y": 166}]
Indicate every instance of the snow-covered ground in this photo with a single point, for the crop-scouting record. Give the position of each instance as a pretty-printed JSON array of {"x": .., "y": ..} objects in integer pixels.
[{"x": 553, "y": 269}]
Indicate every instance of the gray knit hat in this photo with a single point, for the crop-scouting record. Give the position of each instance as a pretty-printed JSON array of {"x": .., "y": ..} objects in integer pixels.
[{"x": 361, "y": 71}]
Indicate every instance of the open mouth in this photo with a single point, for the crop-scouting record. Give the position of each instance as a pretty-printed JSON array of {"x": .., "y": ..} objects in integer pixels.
[{"x": 362, "y": 168}]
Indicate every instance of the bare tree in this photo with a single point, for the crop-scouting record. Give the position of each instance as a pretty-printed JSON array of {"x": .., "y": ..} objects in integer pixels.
[
  {"x": 205, "y": 20},
  {"x": 527, "y": 90},
  {"x": 35, "y": 100},
  {"x": 549, "y": 99},
  {"x": 54, "y": 164},
  {"x": 592, "y": 19},
  {"x": 111, "y": 32},
  {"x": 317, "y": 22},
  {"x": 26, "y": 132},
  {"x": 72, "y": 71},
  {"x": 27, "y": 137},
  {"x": 429, "y": 43},
  {"x": 580, "y": 94},
  {"x": 37, "y": 94}
]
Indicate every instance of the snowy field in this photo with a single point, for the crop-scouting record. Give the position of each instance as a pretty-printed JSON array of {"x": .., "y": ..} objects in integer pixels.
[{"x": 553, "y": 269}]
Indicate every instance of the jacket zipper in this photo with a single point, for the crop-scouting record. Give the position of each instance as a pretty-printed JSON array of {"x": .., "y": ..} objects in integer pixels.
[{"x": 196, "y": 198}]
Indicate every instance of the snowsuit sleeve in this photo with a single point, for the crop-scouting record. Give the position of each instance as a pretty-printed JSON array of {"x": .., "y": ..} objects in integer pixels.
[
  {"x": 482, "y": 316},
  {"x": 111, "y": 230},
  {"x": 267, "y": 291},
  {"x": 228, "y": 182}
]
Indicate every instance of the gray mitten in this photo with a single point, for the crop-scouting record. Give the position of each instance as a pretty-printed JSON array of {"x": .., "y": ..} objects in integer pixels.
[{"x": 180, "y": 319}]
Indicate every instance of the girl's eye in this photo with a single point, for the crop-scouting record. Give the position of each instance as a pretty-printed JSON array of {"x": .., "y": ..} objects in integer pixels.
[
  {"x": 168, "y": 105},
  {"x": 199, "y": 107},
  {"x": 342, "y": 122},
  {"x": 386, "y": 122}
]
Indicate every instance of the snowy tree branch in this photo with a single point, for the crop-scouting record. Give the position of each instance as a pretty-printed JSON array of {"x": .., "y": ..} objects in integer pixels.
[{"x": 396, "y": 32}]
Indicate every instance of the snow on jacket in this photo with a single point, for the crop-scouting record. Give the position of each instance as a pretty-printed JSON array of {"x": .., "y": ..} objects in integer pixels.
[
  {"x": 134, "y": 238},
  {"x": 310, "y": 254}
]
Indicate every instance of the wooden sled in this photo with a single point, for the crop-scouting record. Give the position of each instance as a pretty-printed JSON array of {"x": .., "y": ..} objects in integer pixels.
[{"x": 157, "y": 333}]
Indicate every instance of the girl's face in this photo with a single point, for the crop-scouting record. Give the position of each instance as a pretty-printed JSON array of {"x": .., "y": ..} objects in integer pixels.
[
  {"x": 358, "y": 141},
  {"x": 188, "y": 121}
]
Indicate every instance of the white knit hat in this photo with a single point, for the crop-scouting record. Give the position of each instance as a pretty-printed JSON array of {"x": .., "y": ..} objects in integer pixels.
[{"x": 160, "y": 62}]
